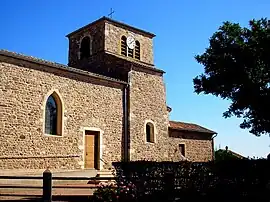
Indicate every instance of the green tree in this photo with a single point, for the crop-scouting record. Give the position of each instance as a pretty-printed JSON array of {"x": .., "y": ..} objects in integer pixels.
[
  {"x": 221, "y": 155},
  {"x": 237, "y": 68}
]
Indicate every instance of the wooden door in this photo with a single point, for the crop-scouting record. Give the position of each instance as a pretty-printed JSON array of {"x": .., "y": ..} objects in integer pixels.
[{"x": 90, "y": 160}]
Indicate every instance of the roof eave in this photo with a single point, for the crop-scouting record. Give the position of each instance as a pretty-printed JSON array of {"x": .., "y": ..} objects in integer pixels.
[
  {"x": 58, "y": 66},
  {"x": 81, "y": 28},
  {"x": 139, "y": 63},
  {"x": 149, "y": 34},
  {"x": 189, "y": 130}
]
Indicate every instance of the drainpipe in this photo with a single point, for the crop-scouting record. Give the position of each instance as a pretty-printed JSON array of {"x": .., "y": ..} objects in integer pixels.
[
  {"x": 213, "y": 149},
  {"x": 125, "y": 124},
  {"x": 126, "y": 117}
]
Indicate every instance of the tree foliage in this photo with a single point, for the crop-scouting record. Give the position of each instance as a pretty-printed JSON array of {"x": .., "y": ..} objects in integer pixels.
[
  {"x": 223, "y": 155},
  {"x": 236, "y": 68}
]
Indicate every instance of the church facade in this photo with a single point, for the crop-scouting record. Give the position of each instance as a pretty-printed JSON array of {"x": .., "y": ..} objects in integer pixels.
[{"x": 108, "y": 104}]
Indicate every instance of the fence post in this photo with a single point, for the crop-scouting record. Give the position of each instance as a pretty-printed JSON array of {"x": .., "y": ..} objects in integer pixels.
[
  {"x": 169, "y": 186},
  {"x": 47, "y": 186}
]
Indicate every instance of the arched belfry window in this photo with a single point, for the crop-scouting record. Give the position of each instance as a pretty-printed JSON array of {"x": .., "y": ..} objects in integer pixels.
[
  {"x": 124, "y": 45},
  {"x": 137, "y": 50},
  {"x": 85, "y": 47},
  {"x": 150, "y": 132},
  {"x": 53, "y": 115}
]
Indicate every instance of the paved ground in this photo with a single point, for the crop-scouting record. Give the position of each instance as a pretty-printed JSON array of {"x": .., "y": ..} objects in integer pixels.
[
  {"x": 55, "y": 173},
  {"x": 22, "y": 194},
  {"x": 60, "y": 194},
  {"x": 38, "y": 172}
]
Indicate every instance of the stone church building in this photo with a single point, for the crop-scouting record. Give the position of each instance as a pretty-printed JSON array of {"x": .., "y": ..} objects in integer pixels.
[{"x": 108, "y": 104}]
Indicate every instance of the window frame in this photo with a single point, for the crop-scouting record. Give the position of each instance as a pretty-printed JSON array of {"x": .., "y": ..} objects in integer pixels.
[
  {"x": 128, "y": 50},
  {"x": 60, "y": 114},
  {"x": 126, "y": 47},
  {"x": 184, "y": 147},
  {"x": 154, "y": 132}
]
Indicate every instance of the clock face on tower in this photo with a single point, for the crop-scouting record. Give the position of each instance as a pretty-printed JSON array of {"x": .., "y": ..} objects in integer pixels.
[{"x": 131, "y": 42}]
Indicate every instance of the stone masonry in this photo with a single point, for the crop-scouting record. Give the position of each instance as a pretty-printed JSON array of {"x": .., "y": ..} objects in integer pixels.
[
  {"x": 113, "y": 36},
  {"x": 87, "y": 103},
  {"x": 106, "y": 36},
  {"x": 148, "y": 102},
  {"x": 198, "y": 146},
  {"x": 92, "y": 97},
  {"x": 95, "y": 32}
]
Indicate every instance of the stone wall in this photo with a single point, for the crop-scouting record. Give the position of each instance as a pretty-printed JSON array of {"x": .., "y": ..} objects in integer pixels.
[
  {"x": 148, "y": 103},
  {"x": 106, "y": 36},
  {"x": 113, "y": 36},
  {"x": 87, "y": 102},
  {"x": 96, "y": 33},
  {"x": 198, "y": 146}
]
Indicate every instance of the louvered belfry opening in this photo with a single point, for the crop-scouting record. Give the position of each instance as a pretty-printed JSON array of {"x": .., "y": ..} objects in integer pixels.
[
  {"x": 124, "y": 46},
  {"x": 137, "y": 50},
  {"x": 130, "y": 52}
]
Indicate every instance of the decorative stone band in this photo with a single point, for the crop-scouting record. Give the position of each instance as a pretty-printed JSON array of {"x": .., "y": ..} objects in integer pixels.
[{"x": 39, "y": 157}]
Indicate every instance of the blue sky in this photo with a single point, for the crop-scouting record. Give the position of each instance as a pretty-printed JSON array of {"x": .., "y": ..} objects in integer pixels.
[{"x": 38, "y": 28}]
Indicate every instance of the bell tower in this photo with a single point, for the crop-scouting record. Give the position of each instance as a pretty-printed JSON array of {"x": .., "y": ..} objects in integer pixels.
[
  {"x": 110, "y": 48},
  {"x": 120, "y": 51}
]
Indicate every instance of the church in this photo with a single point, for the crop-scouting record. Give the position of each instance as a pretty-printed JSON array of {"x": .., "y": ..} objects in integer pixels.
[{"x": 107, "y": 104}]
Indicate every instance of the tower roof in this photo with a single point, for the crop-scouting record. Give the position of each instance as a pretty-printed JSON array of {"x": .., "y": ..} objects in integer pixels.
[{"x": 116, "y": 23}]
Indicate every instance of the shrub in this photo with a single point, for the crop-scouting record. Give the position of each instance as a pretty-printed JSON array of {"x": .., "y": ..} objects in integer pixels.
[
  {"x": 230, "y": 180},
  {"x": 112, "y": 192}
]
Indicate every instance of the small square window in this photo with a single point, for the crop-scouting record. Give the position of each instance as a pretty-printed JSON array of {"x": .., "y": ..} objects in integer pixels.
[{"x": 182, "y": 149}]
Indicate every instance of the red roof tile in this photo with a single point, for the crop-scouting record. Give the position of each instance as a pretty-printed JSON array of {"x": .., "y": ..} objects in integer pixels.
[{"x": 189, "y": 127}]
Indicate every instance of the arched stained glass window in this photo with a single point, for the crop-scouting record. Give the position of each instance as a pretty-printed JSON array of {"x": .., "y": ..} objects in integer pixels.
[{"x": 53, "y": 115}]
